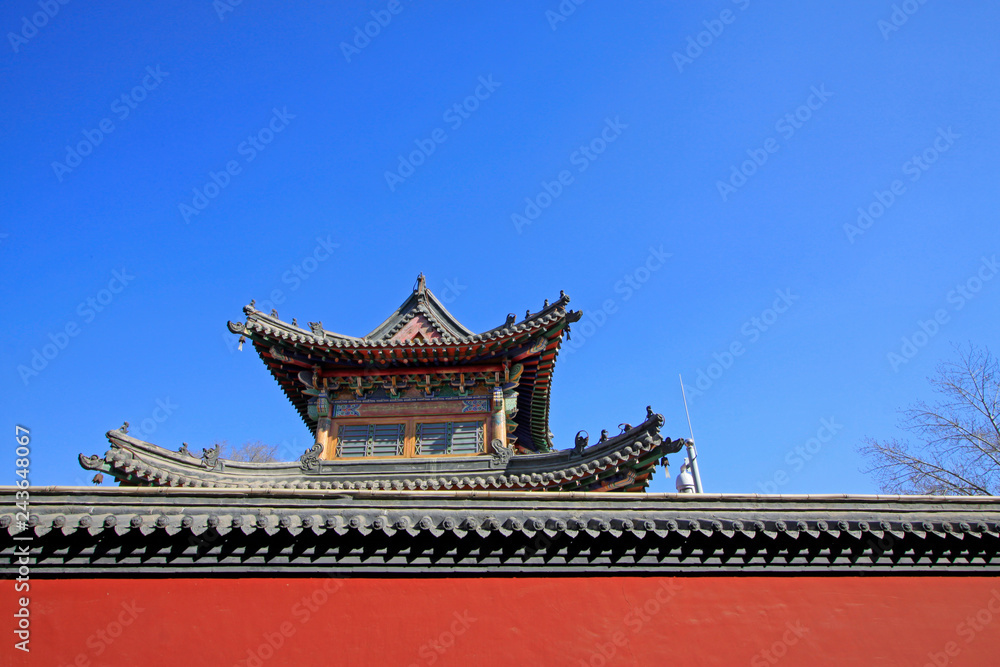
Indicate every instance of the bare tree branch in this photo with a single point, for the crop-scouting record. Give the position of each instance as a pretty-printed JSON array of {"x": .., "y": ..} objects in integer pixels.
[
  {"x": 249, "y": 452},
  {"x": 959, "y": 448}
]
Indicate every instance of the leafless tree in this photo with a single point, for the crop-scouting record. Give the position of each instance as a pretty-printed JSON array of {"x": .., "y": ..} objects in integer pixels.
[
  {"x": 250, "y": 452},
  {"x": 958, "y": 452}
]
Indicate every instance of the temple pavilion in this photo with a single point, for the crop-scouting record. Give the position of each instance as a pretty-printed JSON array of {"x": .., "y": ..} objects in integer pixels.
[{"x": 420, "y": 402}]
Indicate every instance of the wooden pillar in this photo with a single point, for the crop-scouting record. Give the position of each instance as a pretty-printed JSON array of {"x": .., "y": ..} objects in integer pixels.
[
  {"x": 323, "y": 427},
  {"x": 498, "y": 420},
  {"x": 323, "y": 422}
]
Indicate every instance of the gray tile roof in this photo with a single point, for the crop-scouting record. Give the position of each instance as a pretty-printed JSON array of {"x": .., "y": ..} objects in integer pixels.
[
  {"x": 163, "y": 532},
  {"x": 623, "y": 462}
]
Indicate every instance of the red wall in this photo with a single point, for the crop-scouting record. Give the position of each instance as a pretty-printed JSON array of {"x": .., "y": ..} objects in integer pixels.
[{"x": 504, "y": 621}]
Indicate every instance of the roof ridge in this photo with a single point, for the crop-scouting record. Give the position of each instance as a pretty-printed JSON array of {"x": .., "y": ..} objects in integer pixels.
[{"x": 424, "y": 301}]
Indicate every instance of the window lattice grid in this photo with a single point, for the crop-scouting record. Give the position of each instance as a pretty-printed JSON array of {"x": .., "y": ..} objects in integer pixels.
[
  {"x": 433, "y": 438},
  {"x": 466, "y": 438},
  {"x": 449, "y": 438},
  {"x": 352, "y": 440},
  {"x": 387, "y": 440},
  {"x": 363, "y": 440}
]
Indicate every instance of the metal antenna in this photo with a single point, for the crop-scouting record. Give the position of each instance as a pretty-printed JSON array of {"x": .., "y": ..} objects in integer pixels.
[{"x": 692, "y": 453}]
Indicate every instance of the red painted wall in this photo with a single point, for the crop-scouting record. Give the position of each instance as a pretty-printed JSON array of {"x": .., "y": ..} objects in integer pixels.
[{"x": 504, "y": 621}]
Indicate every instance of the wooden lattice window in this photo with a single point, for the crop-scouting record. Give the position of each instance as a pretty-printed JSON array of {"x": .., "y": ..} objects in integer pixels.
[
  {"x": 357, "y": 440},
  {"x": 437, "y": 438}
]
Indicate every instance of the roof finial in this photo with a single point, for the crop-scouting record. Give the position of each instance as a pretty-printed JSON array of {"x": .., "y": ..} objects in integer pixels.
[{"x": 421, "y": 284}]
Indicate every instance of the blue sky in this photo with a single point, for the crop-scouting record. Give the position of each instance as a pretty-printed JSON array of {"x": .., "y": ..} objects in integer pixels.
[{"x": 794, "y": 207}]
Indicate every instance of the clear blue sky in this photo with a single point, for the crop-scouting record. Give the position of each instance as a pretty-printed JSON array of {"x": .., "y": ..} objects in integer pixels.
[{"x": 626, "y": 126}]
